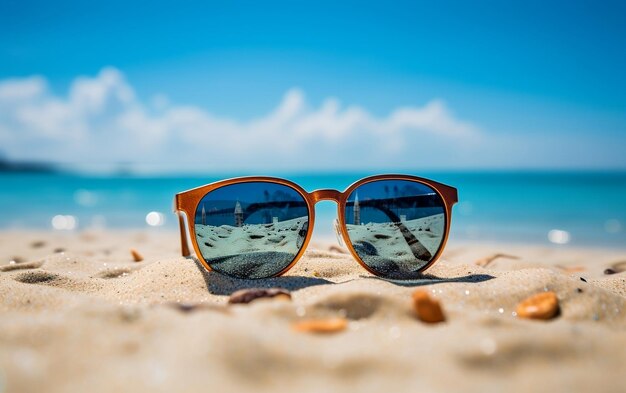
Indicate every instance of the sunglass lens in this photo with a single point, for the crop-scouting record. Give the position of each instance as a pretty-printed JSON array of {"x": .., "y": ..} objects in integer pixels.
[
  {"x": 395, "y": 226},
  {"x": 251, "y": 230}
]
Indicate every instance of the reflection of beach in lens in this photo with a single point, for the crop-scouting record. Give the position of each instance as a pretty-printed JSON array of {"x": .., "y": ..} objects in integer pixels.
[
  {"x": 256, "y": 250},
  {"x": 251, "y": 230},
  {"x": 395, "y": 227},
  {"x": 382, "y": 245}
]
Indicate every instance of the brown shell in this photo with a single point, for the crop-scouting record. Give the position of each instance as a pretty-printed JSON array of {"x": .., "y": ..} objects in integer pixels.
[
  {"x": 328, "y": 325},
  {"x": 544, "y": 305},
  {"x": 426, "y": 308}
]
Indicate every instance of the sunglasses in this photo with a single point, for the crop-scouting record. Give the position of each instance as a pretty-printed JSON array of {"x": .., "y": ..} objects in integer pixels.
[{"x": 395, "y": 226}]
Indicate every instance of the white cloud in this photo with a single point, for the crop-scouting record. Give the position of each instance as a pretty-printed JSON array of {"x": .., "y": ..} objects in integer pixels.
[
  {"x": 102, "y": 121},
  {"x": 94, "y": 95},
  {"x": 17, "y": 90}
]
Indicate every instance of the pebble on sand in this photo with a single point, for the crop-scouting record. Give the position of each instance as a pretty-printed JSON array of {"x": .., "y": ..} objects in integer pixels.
[
  {"x": 543, "y": 305},
  {"x": 323, "y": 326},
  {"x": 426, "y": 308},
  {"x": 247, "y": 295},
  {"x": 137, "y": 257}
]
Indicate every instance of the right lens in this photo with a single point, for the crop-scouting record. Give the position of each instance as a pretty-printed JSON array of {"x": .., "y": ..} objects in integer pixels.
[
  {"x": 396, "y": 227},
  {"x": 252, "y": 229}
]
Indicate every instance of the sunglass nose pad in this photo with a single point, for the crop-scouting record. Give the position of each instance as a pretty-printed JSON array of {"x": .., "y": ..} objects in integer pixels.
[{"x": 338, "y": 233}]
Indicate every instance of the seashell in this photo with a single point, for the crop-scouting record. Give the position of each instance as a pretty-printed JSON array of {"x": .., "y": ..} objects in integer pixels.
[
  {"x": 137, "y": 257},
  {"x": 615, "y": 268},
  {"x": 426, "y": 308},
  {"x": 543, "y": 305},
  {"x": 325, "y": 326},
  {"x": 244, "y": 296}
]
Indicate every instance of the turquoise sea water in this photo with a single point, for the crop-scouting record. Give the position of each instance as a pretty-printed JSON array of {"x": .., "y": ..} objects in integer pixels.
[{"x": 511, "y": 206}]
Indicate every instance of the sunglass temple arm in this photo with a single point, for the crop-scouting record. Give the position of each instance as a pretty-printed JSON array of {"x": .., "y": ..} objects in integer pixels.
[
  {"x": 183, "y": 229},
  {"x": 183, "y": 235}
]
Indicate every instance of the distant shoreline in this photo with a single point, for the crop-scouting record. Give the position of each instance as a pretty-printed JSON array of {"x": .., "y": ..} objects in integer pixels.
[
  {"x": 26, "y": 167},
  {"x": 7, "y": 166}
]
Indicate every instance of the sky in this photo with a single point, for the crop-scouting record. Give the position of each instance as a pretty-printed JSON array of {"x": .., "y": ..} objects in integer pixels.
[{"x": 306, "y": 86}]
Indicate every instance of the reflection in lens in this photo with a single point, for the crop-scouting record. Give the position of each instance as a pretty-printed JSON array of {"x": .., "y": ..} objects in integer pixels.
[
  {"x": 251, "y": 230},
  {"x": 395, "y": 226}
]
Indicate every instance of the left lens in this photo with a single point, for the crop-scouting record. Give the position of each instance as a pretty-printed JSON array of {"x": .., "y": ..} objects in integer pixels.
[
  {"x": 396, "y": 227},
  {"x": 251, "y": 230}
]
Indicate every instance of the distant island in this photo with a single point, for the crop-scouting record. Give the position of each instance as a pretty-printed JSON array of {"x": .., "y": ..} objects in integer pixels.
[{"x": 26, "y": 166}]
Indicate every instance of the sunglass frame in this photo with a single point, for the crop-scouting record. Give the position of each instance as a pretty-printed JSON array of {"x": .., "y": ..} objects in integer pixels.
[{"x": 186, "y": 203}]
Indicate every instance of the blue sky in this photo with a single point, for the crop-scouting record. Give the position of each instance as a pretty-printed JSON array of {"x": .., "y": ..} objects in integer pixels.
[
  {"x": 224, "y": 200},
  {"x": 524, "y": 85}
]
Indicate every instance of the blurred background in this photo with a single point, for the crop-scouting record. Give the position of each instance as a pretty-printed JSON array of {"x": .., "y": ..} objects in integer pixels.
[{"x": 108, "y": 109}]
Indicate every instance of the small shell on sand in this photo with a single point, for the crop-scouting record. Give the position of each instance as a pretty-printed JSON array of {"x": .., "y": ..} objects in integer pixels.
[
  {"x": 543, "y": 305},
  {"x": 325, "y": 326},
  {"x": 137, "y": 257},
  {"x": 617, "y": 267},
  {"x": 426, "y": 308},
  {"x": 247, "y": 295}
]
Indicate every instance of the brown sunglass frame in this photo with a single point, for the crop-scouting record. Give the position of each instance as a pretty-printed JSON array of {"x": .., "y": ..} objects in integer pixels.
[{"x": 187, "y": 202}]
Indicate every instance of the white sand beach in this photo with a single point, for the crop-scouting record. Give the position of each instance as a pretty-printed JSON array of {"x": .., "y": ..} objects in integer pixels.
[{"x": 78, "y": 314}]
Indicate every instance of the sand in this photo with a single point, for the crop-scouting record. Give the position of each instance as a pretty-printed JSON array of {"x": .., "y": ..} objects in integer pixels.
[
  {"x": 77, "y": 315},
  {"x": 252, "y": 250}
]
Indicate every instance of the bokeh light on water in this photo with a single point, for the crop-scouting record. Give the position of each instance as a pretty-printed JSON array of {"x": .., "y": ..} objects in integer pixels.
[
  {"x": 64, "y": 222},
  {"x": 155, "y": 219}
]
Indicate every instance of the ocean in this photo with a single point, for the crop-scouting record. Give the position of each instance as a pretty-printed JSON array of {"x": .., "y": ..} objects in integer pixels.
[{"x": 565, "y": 208}]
